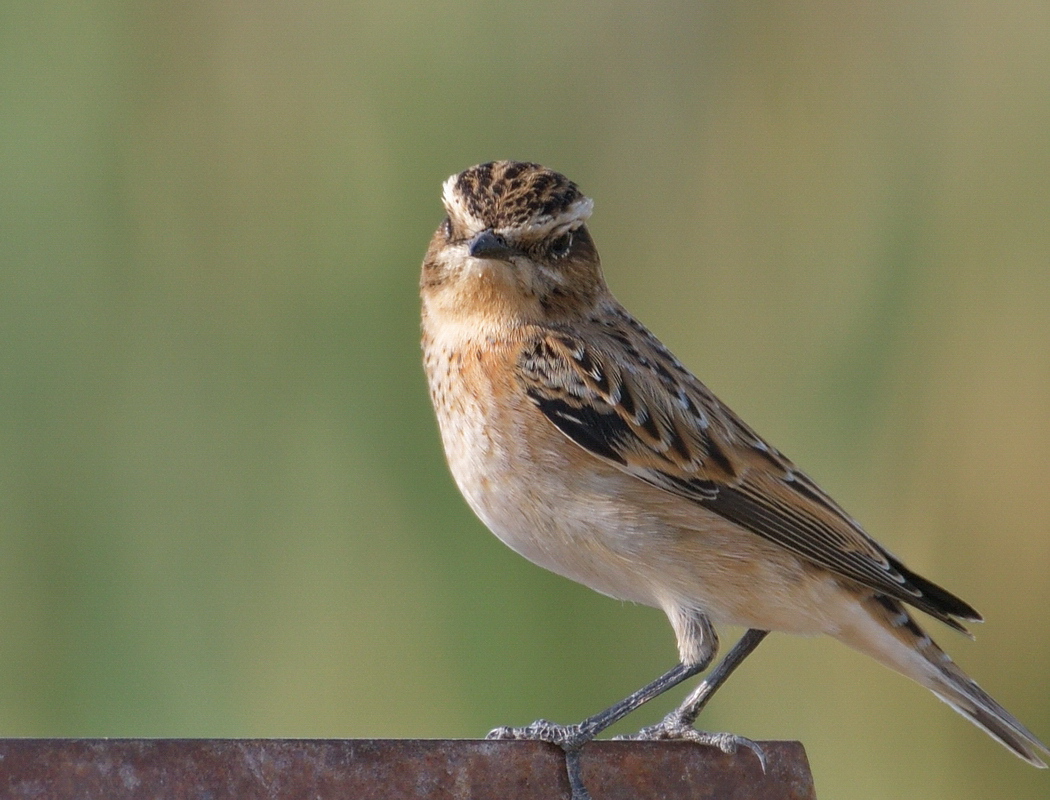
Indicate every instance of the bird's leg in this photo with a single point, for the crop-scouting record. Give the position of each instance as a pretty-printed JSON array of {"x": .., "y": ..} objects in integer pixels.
[
  {"x": 571, "y": 738},
  {"x": 679, "y": 723},
  {"x": 695, "y": 702}
]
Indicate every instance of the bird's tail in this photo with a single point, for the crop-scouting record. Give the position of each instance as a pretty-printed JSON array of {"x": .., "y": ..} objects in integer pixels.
[{"x": 902, "y": 645}]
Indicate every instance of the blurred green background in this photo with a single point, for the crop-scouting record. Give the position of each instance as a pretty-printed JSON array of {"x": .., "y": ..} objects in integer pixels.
[{"x": 224, "y": 509}]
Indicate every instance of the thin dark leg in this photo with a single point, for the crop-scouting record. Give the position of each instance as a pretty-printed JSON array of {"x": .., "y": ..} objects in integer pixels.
[
  {"x": 679, "y": 723},
  {"x": 575, "y": 773},
  {"x": 574, "y": 736},
  {"x": 695, "y": 702},
  {"x": 676, "y": 725},
  {"x": 571, "y": 738},
  {"x": 592, "y": 726}
]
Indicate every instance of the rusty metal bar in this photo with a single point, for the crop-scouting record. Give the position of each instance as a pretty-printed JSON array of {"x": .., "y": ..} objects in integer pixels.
[{"x": 391, "y": 769}]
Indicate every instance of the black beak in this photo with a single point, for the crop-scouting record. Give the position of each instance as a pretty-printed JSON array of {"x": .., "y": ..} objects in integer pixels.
[{"x": 490, "y": 245}]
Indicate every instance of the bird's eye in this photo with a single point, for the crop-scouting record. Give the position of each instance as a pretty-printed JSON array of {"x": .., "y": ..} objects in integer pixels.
[{"x": 561, "y": 245}]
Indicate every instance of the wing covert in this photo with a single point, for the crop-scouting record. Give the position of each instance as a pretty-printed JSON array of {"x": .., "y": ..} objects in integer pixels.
[{"x": 624, "y": 398}]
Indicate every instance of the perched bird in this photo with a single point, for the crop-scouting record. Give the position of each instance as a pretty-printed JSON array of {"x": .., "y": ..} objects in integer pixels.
[{"x": 588, "y": 448}]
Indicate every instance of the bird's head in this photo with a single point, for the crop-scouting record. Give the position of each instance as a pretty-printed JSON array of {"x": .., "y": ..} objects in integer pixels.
[{"x": 514, "y": 243}]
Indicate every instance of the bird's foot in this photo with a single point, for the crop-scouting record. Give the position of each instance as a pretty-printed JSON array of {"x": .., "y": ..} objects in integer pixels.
[
  {"x": 567, "y": 737},
  {"x": 570, "y": 738},
  {"x": 673, "y": 726}
]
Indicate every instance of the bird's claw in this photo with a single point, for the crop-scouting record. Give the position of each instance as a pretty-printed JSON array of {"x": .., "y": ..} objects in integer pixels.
[
  {"x": 674, "y": 727},
  {"x": 570, "y": 738},
  {"x": 567, "y": 737}
]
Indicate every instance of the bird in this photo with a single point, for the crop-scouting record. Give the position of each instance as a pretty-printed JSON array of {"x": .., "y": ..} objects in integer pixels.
[{"x": 586, "y": 446}]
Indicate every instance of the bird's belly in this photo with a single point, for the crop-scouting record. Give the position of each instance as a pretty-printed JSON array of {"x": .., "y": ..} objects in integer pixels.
[
  {"x": 560, "y": 518},
  {"x": 588, "y": 521}
]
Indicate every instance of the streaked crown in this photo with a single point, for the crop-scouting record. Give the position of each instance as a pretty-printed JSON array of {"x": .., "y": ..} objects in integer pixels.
[{"x": 515, "y": 195}]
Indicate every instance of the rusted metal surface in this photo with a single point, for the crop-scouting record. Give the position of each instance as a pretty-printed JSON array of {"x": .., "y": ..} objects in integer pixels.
[{"x": 390, "y": 769}]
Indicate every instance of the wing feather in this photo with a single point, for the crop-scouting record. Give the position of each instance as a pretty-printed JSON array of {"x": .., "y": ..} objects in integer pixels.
[{"x": 622, "y": 396}]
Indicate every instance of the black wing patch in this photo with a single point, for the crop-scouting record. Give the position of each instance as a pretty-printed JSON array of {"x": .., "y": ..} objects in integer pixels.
[{"x": 600, "y": 432}]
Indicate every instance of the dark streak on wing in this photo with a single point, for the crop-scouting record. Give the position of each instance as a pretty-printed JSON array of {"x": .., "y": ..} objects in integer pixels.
[
  {"x": 649, "y": 425},
  {"x": 607, "y": 413},
  {"x": 942, "y": 598},
  {"x": 810, "y": 537},
  {"x": 678, "y": 445},
  {"x": 783, "y": 524},
  {"x": 718, "y": 455},
  {"x": 693, "y": 489},
  {"x": 601, "y": 433}
]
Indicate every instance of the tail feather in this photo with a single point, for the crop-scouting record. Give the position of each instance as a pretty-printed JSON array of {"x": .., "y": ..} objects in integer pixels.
[
  {"x": 961, "y": 693},
  {"x": 897, "y": 641}
]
